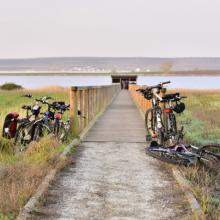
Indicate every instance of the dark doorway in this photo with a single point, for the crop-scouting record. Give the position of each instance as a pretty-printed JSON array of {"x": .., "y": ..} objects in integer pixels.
[{"x": 124, "y": 80}]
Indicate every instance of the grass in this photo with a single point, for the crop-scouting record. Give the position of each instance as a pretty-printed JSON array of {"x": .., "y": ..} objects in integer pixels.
[
  {"x": 201, "y": 120},
  {"x": 21, "y": 174},
  {"x": 203, "y": 184},
  {"x": 11, "y": 101}
]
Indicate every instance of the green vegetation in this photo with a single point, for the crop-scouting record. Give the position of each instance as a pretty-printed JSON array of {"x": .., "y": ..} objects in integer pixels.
[
  {"x": 11, "y": 101},
  {"x": 202, "y": 125},
  {"x": 201, "y": 118},
  {"x": 10, "y": 86},
  {"x": 21, "y": 174}
]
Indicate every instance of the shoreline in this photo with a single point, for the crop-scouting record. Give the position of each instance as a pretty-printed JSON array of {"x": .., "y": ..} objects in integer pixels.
[{"x": 103, "y": 74}]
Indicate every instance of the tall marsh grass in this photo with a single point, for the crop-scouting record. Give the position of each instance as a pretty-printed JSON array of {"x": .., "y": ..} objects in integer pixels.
[
  {"x": 21, "y": 174},
  {"x": 203, "y": 116},
  {"x": 201, "y": 120}
]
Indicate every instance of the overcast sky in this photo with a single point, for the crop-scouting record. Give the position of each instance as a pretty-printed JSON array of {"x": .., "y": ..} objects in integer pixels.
[{"x": 147, "y": 28}]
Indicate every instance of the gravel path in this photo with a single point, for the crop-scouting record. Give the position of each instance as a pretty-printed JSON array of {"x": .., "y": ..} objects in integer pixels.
[{"x": 114, "y": 181}]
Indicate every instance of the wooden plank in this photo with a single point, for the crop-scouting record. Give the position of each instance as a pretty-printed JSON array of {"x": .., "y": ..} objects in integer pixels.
[{"x": 120, "y": 123}]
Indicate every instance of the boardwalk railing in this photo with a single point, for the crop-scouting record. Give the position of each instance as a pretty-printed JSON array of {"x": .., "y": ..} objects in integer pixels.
[
  {"x": 142, "y": 103},
  {"x": 87, "y": 102}
]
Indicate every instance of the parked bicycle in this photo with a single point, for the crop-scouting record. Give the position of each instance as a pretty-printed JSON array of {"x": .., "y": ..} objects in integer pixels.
[
  {"x": 160, "y": 120},
  {"x": 60, "y": 127},
  {"x": 166, "y": 140},
  {"x": 31, "y": 127},
  {"x": 184, "y": 154}
]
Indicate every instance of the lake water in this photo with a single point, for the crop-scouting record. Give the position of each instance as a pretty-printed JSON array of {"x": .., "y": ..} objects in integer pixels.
[{"x": 204, "y": 82}]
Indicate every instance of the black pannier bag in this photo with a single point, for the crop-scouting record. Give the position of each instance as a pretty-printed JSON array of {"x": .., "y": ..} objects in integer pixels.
[
  {"x": 10, "y": 125},
  {"x": 179, "y": 107}
]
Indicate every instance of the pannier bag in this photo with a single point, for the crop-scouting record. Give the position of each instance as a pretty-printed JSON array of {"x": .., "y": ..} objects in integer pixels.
[
  {"x": 35, "y": 110},
  {"x": 179, "y": 107},
  {"x": 10, "y": 125}
]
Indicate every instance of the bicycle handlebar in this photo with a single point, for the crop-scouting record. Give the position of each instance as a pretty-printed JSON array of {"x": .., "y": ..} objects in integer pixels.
[
  {"x": 158, "y": 86},
  {"x": 42, "y": 100},
  {"x": 56, "y": 105},
  {"x": 27, "y": 96},
  {"x": 163, "y": 83},
  {"x": 141, "y": 90}
]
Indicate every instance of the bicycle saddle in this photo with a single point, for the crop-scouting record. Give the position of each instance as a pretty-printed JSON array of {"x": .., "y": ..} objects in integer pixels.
[
  {"x": 170, "y": 96},
  {"x": 26, "y": 107}
]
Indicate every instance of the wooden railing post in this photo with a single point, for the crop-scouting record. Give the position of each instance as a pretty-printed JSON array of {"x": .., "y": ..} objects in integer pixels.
[
  {"x": 80, "y": 107},
  {"x": 90, "y": 104},
  {"x": 90, "y": 101},
  {"x": 74, "y": 111},
  {"x": 85, "y": 108}
]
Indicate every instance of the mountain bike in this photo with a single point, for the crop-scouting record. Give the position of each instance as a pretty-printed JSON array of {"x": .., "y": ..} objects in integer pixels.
[
  {"x": 30, "y": 130},
  {"x": 53, "y": 119},
  {"x": 168, "y": 144},
  {"x": 179, "y": 153},
  {"x": 160, "y": 121},
  {"x": 61, "y": 128},
  {"x": 183, "y": 154}
]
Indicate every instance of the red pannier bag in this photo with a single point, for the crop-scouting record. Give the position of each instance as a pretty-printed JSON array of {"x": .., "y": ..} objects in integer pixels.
[{"x": 10, "y": 125}]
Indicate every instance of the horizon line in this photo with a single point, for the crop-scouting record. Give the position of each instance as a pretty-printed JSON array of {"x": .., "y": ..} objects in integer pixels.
[{"x": 113, "y": 57}]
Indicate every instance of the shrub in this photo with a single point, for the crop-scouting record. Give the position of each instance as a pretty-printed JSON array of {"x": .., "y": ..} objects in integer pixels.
[{"x": 10, "y": 86}]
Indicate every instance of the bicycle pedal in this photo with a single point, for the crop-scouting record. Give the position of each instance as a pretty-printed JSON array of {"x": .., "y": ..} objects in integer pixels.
[{"x": 148, "y": 137}]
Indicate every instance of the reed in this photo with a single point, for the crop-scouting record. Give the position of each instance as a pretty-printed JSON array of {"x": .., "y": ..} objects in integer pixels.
[{"x": 21, "y": 174}]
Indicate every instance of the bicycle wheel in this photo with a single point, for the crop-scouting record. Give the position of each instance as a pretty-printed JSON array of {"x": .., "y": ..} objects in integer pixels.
[
  {"x": 162, "y": 154},
  {"x": 151, "y": 126},
  {"x": 210, "y": 155},
  {"x": 62, "y": 134},
  {"x": 37, "y": 133},
  {"x": 170, "y": 129},
  {"x": 20, "y": 142},
  {"x": 56, "y": 129},
  {"x": 150, "y": 120},
  {"x": 45, "y": 130}
]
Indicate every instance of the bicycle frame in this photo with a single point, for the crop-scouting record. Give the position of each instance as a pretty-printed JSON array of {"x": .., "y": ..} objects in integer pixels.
[{"x": 155, "y": 102}]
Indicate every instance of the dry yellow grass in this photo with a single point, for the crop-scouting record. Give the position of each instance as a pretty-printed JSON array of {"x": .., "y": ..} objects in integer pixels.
[{"x": 20, "y": 175}]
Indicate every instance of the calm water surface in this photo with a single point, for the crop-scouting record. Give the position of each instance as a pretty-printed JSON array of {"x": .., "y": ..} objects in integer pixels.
[{"x": 204, "y": 82}]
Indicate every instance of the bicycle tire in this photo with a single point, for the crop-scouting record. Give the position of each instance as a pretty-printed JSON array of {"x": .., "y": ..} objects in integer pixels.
[
  {"x": 56, "y": 130},
  {"x": 62, "y": 134},
  {"x": 150, "y": 113},
  {"x": 37, "y": 133},
  {"x": 45, "y": 130},
  {"x": 19, "y": 139},
  {"x": 168, "y": 139},
  {"x": 210, "y": 155},
  {"x": 167, "y": 158}
]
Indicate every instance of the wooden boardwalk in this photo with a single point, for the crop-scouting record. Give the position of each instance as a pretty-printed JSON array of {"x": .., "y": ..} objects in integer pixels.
[
  {"x": 120, "y": 123},
  {"x": 112, "y": 178}
]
